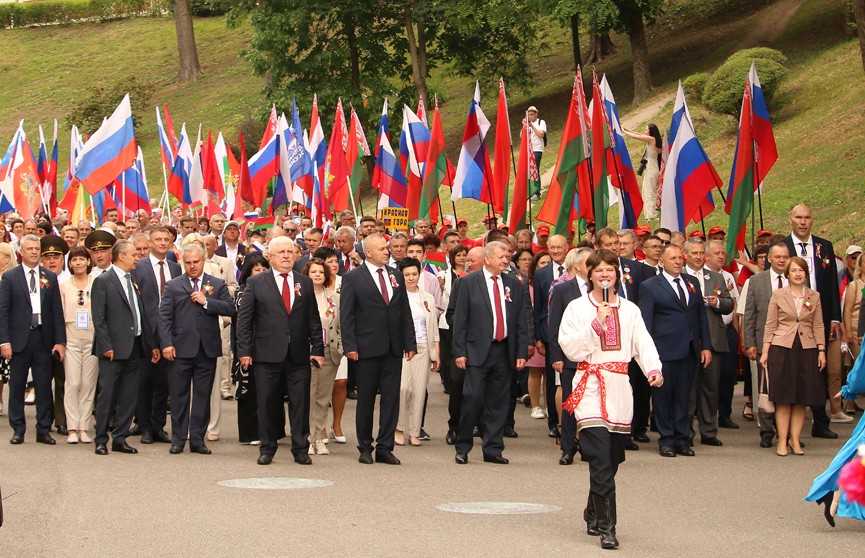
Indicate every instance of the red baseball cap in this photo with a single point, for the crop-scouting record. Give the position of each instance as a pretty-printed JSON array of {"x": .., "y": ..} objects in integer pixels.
[
  {"x": 764, "y": 232},
  {"x": 717, "y": 230},
  {"x": 462, "y": 221},
  {"x": 696, "y": 233},
  {"x": 447, "y": 223},
  {"x": 544, "y": 230},
  {"x": 642, "y": 230}
]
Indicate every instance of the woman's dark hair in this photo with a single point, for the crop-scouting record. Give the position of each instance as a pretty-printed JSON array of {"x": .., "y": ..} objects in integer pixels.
[
  {"x": 455, "y": 251},
  {"x": 319, "y": 261},
  {"x": 249, "y": 262},
  {"x": 172, "y": 231},
  {"x": 534, "y": 267},
  {"x": 80, "y": 252},
  {"x": 4, "y": 234},
  {"x": 410, "y": 262},
  {"x": 519, "y": 252},
  {"x": 601, "y": 257},
  {"x": 655, "y": 133},
  {"x": 323, "y": 253}
]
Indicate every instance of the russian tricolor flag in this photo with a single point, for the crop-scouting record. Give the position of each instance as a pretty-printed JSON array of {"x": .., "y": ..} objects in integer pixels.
[
  {"x": 764, "y": 137},
  {"x": 622, "y": 173},
  {"x": 413, "y": 148},
  {"x": 165, "y": 145},
  {"x": 178, "y": 183},
  {"x": 473, "y": 179},
  {"x": 109, "y": 151},
  {"x": 133, "y": 188},
  {"x": 688, "y": 174},
  {"x": 387, "y": 177}
]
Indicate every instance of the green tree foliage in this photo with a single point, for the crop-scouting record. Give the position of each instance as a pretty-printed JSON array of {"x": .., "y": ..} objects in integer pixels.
[
  {"x": 726, "y": 87},
  {"x": 101, "y": 100},
  {"x": 694, "y": 85}
]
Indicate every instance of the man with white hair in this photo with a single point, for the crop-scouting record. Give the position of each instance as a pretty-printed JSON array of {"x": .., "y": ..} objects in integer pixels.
[{"x": 348, "y": 249}]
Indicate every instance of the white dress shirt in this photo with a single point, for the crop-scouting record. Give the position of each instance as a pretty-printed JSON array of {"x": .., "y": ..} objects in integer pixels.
[
  {"x": 122, "y": 276},
  {"x": 154, "y": 263},
  {"x": 682, "y": 282},
  {"x": 558, "y": 269},
  {"x": 278, "y": 277},
  {"x": 489, "y": 283},
  {"x": 35, "y": 298},
  {"x": 775, "y": 276},
  {"x": 373, "y": 270},
  {"x": 809, "y": 257}
]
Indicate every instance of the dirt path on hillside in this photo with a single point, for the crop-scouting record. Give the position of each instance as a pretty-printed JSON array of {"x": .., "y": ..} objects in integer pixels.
[{"x": 771, "y": 22}]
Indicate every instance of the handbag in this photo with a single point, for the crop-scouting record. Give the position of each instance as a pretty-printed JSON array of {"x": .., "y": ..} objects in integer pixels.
[
  {"x": 763, "y": 403},
  {"x": 5, "y": 370}
]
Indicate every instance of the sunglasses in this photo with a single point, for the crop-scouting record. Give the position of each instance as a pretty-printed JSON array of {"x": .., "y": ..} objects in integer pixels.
[
  {"x": 80, "y": 298},
  {"x": 665, "y": 243}
]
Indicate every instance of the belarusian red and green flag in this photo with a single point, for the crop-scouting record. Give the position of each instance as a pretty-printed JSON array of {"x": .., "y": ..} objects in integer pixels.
[
  {"x": 572, "y": 174},
  {"x": 600, "y": 145},
  {"x": 357, "y": 150},
  {"x": 503, "y": 153},
  {"x": 438, "y": 168},
  {"x": 517, "y": 215}
]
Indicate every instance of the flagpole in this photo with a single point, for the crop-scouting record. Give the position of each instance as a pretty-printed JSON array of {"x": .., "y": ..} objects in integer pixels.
[
  {"x": 702, "y": 223},
  {"x": 759, "y": 186},
  {"x": 123, "y": 195}
]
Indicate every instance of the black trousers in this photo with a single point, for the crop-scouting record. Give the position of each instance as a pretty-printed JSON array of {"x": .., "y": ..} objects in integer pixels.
[
  {"x": 603, "y": 451},
  {"x": 37, "y": 358},
  {"x": 455, "y": 398},
  {"x": 58, "y": 373},
  {"x": 190, "y": 381},
  {"x": 486, "y": 390},
  {"x": 274, "y": 381},
  {"x": 445, "y": 359},
  {"x": 729, "y": 363},
  {"x": 642, "y": 398},
  {"x": 569, "y": 421},
  {"x": 371, "y": 376},
  {"x": 247, "y": 414},
  {"x": 118, "y": 384},
  {"x": 152, "y": 396},
  {"x": 550, "y": 390},
  {"x": 670, "y": 401}
]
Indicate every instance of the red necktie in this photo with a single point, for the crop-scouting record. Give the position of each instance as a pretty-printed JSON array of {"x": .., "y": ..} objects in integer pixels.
[
  {"x": 286, "y": 292},
  {"x": 780, "y": 286},
  {"x": 383, "y": 286},
  {"x": 500, "y": 316}
]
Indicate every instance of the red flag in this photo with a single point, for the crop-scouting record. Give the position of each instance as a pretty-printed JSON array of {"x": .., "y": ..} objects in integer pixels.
[
  {"x": 517, "y": 215},
  {"x": 244, "y": 185},
  {"x": 270, "y": 129},
  {"x": 502, "y": 168},
  {"x": 212, "y": 175},
  {"x": 169, "y": 128},
  {"x": 336, "y": 166}
]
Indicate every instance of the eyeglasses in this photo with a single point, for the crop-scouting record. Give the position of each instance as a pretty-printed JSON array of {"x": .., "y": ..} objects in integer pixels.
[
  {"x": 665, "y": 243},
  {"x": 80, "y": 298}
]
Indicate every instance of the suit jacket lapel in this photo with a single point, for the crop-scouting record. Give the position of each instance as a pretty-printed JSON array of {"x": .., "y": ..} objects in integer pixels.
[
  {"x": 370, "y": 281},
  {"x": 666, "y": 286},
  {"x": 271, "y": 281},
  {"x": 482, "y": 281},
  {"x": 120, "y": 288}
]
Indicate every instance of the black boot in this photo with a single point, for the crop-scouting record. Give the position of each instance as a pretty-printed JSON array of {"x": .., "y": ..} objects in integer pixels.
[
  {"x": 590, "y": 518},
  {"x": 606, "y": 527}
]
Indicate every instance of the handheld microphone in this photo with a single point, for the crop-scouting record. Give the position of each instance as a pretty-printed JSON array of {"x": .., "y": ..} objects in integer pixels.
[{"x": 605, "y": 290}]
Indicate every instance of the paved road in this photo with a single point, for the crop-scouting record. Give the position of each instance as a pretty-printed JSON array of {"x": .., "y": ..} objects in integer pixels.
[{"x": 738, "y": 500}]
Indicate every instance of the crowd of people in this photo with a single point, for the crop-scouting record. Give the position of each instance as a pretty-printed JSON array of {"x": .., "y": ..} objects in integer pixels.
[{"x": 608, "y": 337}]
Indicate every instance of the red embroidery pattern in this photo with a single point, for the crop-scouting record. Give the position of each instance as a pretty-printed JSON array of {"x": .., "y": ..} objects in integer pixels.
[
  {"x": 611, "y": 340},
  {"x": 587, "y": 369}
]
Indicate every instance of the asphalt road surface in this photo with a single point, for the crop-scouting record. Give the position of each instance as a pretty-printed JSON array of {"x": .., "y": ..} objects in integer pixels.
[{"x": 737, "y": 500}]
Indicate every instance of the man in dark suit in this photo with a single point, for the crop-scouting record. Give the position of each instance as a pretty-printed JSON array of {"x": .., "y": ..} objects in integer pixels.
[
  {"x": 377, "y": 330},
  {"x": 122, "y": 341},
  {"x": 231, "y": 247},
  {"x": 717, "y": 301},
  {"x": 562, "y": 295},
  {"x": 632, "y": 274},
  {"x": 490, "y": 339},
  {"x": 668, "y": 302},
  {"x": 277, "y": 323},
  {"x": 823, "y": 278},
  {"x": 557, "y": 247},
  {"x": 152, "y": 274},
  {"x": 191, "y": 341},
  {"x": 32, "y": 328},
  {"x": 349, "y": 251}
]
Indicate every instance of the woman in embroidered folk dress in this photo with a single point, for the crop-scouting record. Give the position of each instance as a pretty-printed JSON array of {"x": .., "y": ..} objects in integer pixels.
[{"x": 603, "y": 337}]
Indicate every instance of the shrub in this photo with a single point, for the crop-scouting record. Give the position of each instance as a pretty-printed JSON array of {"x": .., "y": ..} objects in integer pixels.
[
  {"x": 58, "y": 12},
  {"x": 760, "y": 52},
  {"x": 726, "y": 87},
  {"x": 694, "y": 85},
  {"x": 101, "y": 100}
]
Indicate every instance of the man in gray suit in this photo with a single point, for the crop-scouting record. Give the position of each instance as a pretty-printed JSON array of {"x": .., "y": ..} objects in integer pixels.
[
  {"x": 716, "y": 298},
  {"x": 122, "y": 341},
  {"x": 759, "y": 292}
]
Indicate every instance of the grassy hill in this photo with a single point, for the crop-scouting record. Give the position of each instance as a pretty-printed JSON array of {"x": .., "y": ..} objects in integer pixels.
[{"x": 818, "y": 117}]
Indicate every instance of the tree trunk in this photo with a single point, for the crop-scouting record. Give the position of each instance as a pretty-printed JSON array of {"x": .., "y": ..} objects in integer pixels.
[
  {"x": 353, "y": 55},
  {"x": 575, "y": 40},
  {"x": 640, "y": 59},
  {"x": 600, "y": 47},
  {"x": 859, "y": 14},
  {"x": 417, "y": 74},
  {"x": 189, "y": 66},
  {"x": 421, "y": 52}
]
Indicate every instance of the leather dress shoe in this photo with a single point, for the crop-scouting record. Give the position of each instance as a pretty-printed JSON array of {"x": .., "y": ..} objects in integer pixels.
[
  {"x": 123, "y": 448},
  {"x": 147, "y": 437},
  {"x": 554, "y": 433},
  {"x": 265, "y": 459},
  {"x": 175, "y": 449},
  {"x": 667, "y": 451},
  {"x": 641, "y": 437},
  {"x": 727, "y": 422},
  {"x": 134, "y": 430},
  {"x": 461, "y": 458},
  {"x": 630, "y": 445},
  {"x": 497, "y": 459},
  {"x": 161, "y": 437},
  {"x": 303, "y": 459},
  {"x": 711, "y": 442},
  {"x": 365, "y": 458},
  {"x": 101, "y": 449},
  {"x": 45, "y": 439},
  {"x": 766, "y": 441},
  {"x": 823, "y": 433},
  {"x": 17, "y": 438},
  {"x": 684, "y": 450},
  {"x": 385, "y": 456},
  {"x": 567, "y": 458},
  {"x": 201, "y": 450},
  {"x": 62, "y": 430},
  {"x": 352, "y": 394},
  {"x": 510, "y": 432},
  {"x": 451, "y": 438},
  {"x": 477, "y": 433},
  {"x": 691, "y": 442}
]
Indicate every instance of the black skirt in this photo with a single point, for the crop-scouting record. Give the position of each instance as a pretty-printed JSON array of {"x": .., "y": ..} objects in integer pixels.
[{"x": 794, "y": 377}]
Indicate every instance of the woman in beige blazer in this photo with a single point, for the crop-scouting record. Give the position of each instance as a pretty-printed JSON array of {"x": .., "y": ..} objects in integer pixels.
[
  {"x": 321, "y": 382},
  {"x": 415, "y": 372},
  {"x": 794, "y": 354}
]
